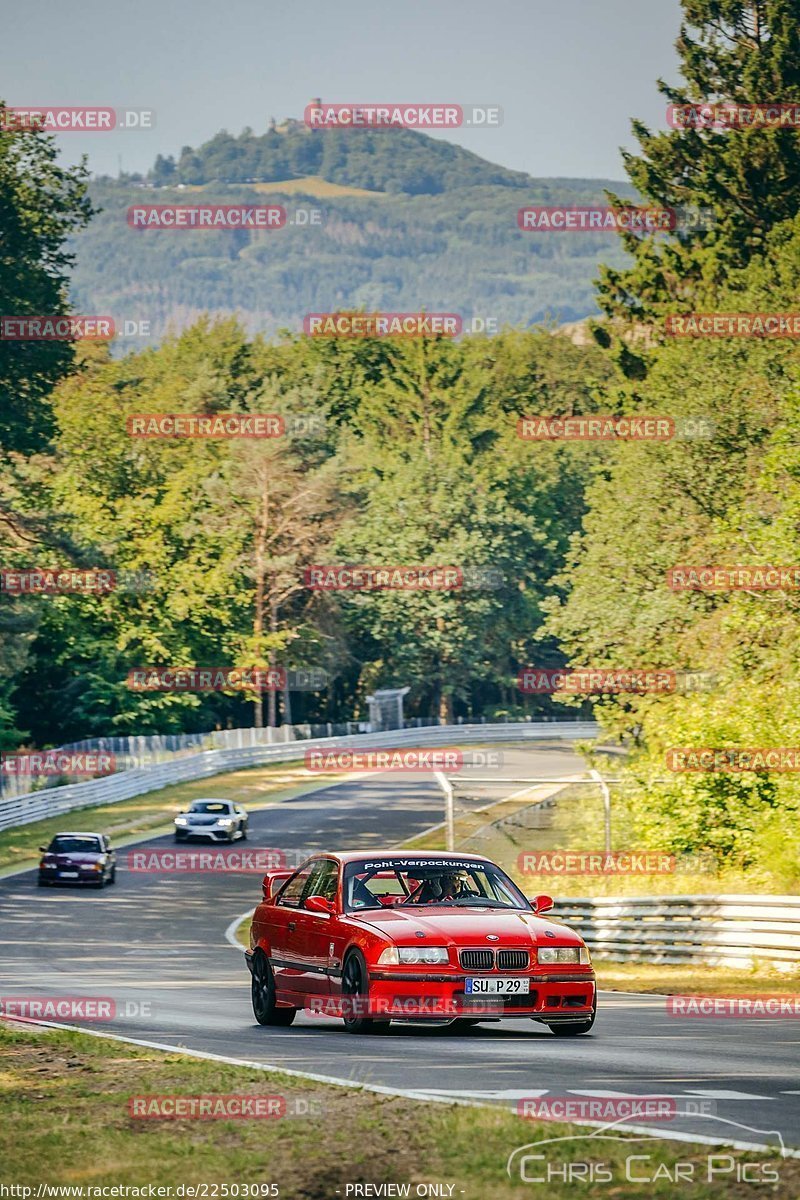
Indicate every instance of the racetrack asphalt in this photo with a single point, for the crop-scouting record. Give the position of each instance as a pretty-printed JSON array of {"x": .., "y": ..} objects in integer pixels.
[{"x": 155, "y": 945}]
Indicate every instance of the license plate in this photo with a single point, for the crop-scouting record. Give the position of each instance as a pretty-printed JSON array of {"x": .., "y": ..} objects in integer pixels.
[
  {"x": 498, "y": 987},
  {"x": 68, "y": 874}
]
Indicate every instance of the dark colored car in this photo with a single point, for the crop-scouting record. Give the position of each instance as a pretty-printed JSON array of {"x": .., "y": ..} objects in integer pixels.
[
  {"x": 413, "y": 935},
  {"x": 78, "y": 858},
  {"x": 218, "y": 820}
]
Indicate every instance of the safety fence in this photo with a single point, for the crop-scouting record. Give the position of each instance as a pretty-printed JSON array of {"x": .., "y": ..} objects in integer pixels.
[
  {"x": 54, "y": 801},
  {"x": 145, "y": 750},
  {"x": 726, "y": 930}
]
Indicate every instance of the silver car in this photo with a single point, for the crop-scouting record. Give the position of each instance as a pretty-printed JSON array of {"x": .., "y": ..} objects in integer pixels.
[{"x": 218, "y": 820}]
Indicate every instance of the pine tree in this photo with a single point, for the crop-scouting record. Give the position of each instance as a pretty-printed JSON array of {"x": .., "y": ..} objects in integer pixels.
[{"x": 745, "y": 180}]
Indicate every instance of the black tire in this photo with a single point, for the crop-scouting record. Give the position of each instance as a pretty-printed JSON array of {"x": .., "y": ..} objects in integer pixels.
[
  {"x": 244, "y": 832},
  {"x": 262, "y": 994},
  {"x": 42, "y": 882},
  {"x": 575, "y": 1028},
  {"x": 113, "y": 876},
  {"x": 180, "y": 837},
  {"x": 355, "y": 983},
  {"x": 98, "y": 883}
]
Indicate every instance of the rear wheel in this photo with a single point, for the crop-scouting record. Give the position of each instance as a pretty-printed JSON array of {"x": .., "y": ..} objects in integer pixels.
[
  {"x": 262, "y": 992},
  {"x": 355, "y": 996}
]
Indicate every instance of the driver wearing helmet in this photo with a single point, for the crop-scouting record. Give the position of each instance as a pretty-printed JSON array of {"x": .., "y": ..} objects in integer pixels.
[{"x": 447, "y": 886}]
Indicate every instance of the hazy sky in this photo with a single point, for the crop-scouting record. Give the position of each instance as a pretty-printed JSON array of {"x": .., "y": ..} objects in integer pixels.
[{"x": 568, "y": 75}]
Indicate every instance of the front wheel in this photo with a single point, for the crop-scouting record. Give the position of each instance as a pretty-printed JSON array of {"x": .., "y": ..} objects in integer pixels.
[
  {"x": 262, "y": 993},
  {"x": 113, "y": 876},
  {"x": 355, "y": 996},
  {"x": 574, "y": 1028}
]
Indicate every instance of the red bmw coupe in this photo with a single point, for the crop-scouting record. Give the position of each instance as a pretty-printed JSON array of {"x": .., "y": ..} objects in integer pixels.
[{"x": 404, "y": 935}]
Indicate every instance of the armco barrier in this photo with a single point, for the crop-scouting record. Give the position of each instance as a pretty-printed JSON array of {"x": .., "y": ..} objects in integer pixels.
[
  {"x": 721, "y": 931},
  {"x": 52, "y": 802}
]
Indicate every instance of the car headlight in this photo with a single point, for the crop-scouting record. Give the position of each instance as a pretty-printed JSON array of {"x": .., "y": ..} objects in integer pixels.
[
  {"x": 424, "y": 954},
  {"x": 225, "y": 821},
  {"x": 98, "y": 866},
  {"x": 181, "y": 821},
  {"x": 389, "y": 957},
  {"x": 563, "y": 954},
  {"x": 48, "y": 866}
]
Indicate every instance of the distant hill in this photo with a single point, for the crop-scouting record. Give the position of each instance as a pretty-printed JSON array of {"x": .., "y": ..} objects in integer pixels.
[
  {"x": 407, "y": 222},
  {"x": 379, "y": 160}
]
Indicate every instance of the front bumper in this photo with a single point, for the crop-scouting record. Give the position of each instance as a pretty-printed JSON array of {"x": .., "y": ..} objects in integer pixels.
[
  {"x": 552, "y": 998},
  {"x": 70, "y": 875},
  {"x": 203, "y": 832}
]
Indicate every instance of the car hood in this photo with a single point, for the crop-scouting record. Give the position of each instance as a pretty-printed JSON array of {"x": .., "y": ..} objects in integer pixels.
[{"x": 467, "y": 927}]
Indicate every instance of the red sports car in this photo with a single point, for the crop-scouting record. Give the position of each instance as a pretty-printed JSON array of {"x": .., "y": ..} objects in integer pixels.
[{"x": 373, "y": 937}]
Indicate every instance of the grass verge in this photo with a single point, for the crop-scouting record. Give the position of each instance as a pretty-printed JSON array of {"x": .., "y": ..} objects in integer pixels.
[
  {"x": 694, "y": 980},
  {"x": 64, "y": 1104}
]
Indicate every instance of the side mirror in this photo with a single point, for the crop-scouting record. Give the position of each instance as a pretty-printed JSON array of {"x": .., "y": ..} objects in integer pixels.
[
  {"x": 43, "y": 849},
  {"x": 319, "y": 904},
  {"x": 542, "y": 903}
]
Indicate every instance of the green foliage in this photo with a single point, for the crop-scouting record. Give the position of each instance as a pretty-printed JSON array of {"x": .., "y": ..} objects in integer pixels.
[
  {"x": 41, "y": 203},
  {"x": 746, "y": 179},
  {"x": 412, "y": 458},
  {"x": 727, "y": 500}
]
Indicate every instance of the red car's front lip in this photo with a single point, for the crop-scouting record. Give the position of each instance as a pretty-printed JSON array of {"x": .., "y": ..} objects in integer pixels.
[{"x": 414, "y": 997}]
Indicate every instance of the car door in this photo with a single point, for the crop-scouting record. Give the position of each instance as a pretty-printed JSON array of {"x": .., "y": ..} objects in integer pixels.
[
  {"x": 314, "y": 942},
  {"x": 287, "y": 962}
]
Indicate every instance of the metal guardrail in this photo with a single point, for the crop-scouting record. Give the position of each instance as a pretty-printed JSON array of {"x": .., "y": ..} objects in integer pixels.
[
  {"x": 146, "y": 750},
  {"x": 721, "y": 931},
  {"x": 52, "y": 802}
]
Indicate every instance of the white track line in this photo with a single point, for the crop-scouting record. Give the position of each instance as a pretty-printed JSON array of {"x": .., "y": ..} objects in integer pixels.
[{"x": 230, "y": 932}]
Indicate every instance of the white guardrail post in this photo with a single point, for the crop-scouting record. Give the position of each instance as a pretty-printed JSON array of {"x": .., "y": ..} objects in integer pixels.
[
  {"x": 449, "y": 809},
  {"x": 598, "y": 778}
]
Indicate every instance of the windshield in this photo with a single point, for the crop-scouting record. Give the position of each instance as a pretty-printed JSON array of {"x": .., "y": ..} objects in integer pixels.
[
  {"x": 74, "y": 845},
  {"x": 400, "y": 882},
  {"x": 210, "y": 806}
]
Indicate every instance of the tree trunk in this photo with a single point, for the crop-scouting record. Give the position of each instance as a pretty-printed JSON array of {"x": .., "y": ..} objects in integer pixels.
[
  {"x": 259, "y": 551},
  {"x": 273, "y": 695}
]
